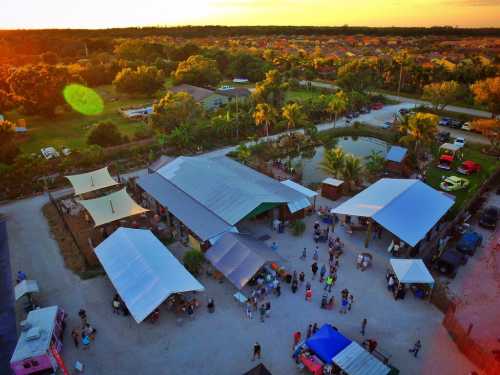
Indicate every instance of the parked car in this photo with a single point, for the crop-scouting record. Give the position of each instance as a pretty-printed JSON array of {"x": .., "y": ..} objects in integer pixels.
[
  {"x": 454, "y": 183},
  {"x": 469, "y": 167},
  {"x": 445, "y": 121},
  {"x": 467, "y": 126},
  {"x": 489, "y": 217},
  {"x": 387, "y": 125},
  {"x": 377, "y": 106},
  {"x": 469, "y": 242},
  {"x": 449, "y": 262},
  {"x": 49, "y": 153},
  {"x": 349, "y": 116},
  {"x": 365, "y": 110},
  {"x": 443, "y": 137},
  {"x": 455, "y": 124},
  {"x": 404, "y": 111},
  {"x": 445, "y": 162},
  {"x": 459, "y": 141}
]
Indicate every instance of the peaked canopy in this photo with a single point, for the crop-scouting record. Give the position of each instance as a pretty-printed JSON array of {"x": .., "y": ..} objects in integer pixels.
[
  {"x": 406, "y": 208},
  {"x": 143, "y": 271},
  {"x": 111, "y": 207},
  {"x": 411, "y": 271},
  {"x": 91, "y": 181},
  {"x": 327, "y": 343},
  {"x": 354, "y": 360},
  {"x": 239, "y": 257},
  {"x": 396, "y": 154}
]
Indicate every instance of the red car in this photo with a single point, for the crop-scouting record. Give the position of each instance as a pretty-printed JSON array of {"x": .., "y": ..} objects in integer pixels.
[
  {"x": 469, "y": 167},
  {"x": 376, "y": 106},
  {"x": 445, "y": 162}
]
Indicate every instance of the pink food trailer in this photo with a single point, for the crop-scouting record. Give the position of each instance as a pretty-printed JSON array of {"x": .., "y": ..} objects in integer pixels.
[{"x": 38, "y": 347}]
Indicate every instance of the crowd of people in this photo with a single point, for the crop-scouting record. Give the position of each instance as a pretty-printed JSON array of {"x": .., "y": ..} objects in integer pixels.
[{"x": 85, "y": 333}]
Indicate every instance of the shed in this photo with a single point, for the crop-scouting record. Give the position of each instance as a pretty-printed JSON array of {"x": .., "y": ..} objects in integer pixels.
[
  {"x": 449, "y": 148},
  {"x": 395, "y": 159},
  {"x": 331, "y": 188}
]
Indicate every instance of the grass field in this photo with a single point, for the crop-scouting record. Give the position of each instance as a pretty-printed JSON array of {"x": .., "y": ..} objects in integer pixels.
[
  {"x": 471, "y": 152},
  {"x": 70, "y": 129},
  {"x": 300, "y": 95}
]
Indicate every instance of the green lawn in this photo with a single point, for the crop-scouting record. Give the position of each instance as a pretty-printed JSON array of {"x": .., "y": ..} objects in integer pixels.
[
  {"x": 70, "y": 129},
  {"x": 301, "y": 95},
  {"x": 471, "y": 152}
]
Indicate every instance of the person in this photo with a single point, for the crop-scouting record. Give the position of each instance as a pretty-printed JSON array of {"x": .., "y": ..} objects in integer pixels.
[
  {"x": 249, "y": 310},
  {"x": 268, "y": 309},
  {"x": 295, "y": 286},
  {"x": 390, "y": 284},
  {"x": 316, "y": 254},
  {"x": 296, "y": 339},
  {"x": 83, "y": 317},
  {"x": 345, "y": 293},
  {"x": 416, "y": 347},
  {"x": 330, "y": 254},
  {"x": 85, "y": 341},
  {"x": 256, "y": 351},
  {"x": 350, "y": 302},
  {"x": 116, "y": 304},
  {"x": 344, "y": 304},
  {"x": 329, "y": 283},
  {"x": 76, "y": 336},
  {"x": 314, "y": 269},
  {"x": 211, "y": 305},
  {"x": 190, "y": 310},
  {"x": 262, "y": 312},
  {"x": 90, "y": 331},
  {"x": 20, "y": 276},
  {"x": 309, "y": 330},
  {"x": 371, "y": 344},
  {"x": 302, "y": 277},
  {"x": 274, "y": 247},
  {"x": 304, "y": 254},
  {"x": 324, "y": 301},
  {"x": 322, "y": 273},
  {"x": 315, "y": 328},
  {"x": 309, "y": 294},
  {"x": 363, "y": 326},
  {"x": 278, "y": 290}
]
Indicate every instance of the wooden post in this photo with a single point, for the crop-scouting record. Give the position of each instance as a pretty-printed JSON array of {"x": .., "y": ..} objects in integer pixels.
[{"x": 368, "y": 233}]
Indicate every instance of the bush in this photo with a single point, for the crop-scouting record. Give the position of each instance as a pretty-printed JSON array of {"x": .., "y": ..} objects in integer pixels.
[
  {"x": 105, "y": 134},
  {"x": 143, "y": 133},
  {"x": 193, "y": 260},
  {"x": 298, "y": 227}
]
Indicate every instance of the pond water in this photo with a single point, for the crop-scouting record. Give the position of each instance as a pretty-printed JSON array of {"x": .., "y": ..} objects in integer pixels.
[{"x": 359, "y": 146}]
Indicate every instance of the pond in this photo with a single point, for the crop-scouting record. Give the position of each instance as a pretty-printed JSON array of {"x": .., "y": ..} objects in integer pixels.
[{"x": 359, "y": 146}]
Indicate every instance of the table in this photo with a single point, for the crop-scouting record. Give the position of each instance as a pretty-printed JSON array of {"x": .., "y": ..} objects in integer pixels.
[
  {"x": 312, "y": 363},
  {"x": 240, "y": 297}
]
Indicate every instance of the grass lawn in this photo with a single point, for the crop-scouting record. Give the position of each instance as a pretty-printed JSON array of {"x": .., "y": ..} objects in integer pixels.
[
  {"x": 70, "y": 129},
  {"x": 471, "y": 152},
  {"x": 301, "y": 95}
]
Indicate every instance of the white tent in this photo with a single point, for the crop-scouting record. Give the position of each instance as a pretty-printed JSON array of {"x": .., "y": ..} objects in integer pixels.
[
  {"x": 143, "y": 271},
  {"x": 449, "y": 147},
  {"x": 354, "y": 360},
  {"x": 91, "y": 181},
  {"x": 111, "y": 207},
  {"x": 411, "y": 271}
]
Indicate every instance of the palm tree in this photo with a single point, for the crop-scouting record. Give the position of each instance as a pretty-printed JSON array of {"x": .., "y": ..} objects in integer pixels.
[
  {"x": 352, "y": 171},
  {"x": 402, "y": 58},
  {"x": 374, "y": 163},
  {"x": 264, "y": 114},
  {"x": 419, "y": 131},
  {"x": 293, "y": 115},
  {"x": 333, "y": 161},
  {"x": 337, "y": 105}
]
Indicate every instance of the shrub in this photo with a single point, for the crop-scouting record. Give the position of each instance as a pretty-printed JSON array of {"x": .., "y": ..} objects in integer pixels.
[
  {"x": 298, "y": 227},
  {"x": 143, "y": 133},
  {"x": 105, "y": 134},
  {"x": 193, "y": 260}
]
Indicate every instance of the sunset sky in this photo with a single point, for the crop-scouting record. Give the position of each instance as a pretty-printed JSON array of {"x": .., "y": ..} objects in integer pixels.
[{"x": 120, "y": 13}]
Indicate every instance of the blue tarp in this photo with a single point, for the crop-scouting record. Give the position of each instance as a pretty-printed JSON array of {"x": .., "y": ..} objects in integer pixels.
[
  {"x": 8, "y": 334},
  {"x": 406, "y": 208},
  {"x": 327, "y": 343},
  {"x": 396, "y": 154}
]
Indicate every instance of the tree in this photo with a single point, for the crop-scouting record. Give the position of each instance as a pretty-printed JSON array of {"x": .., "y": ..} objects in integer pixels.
[
  {"x": 352, "y": 171},
  {"x": 197, "y": 70},
  {"x": 243, "y": 153},
  {"x": 441, "y": 94},
  {"x": 271, "y": 90},
  {"x": 7, "y": 101},
  {"x": 182, "y": 137},
  {"x": 374, "y": 163},
  {"x": 337, "y": 105},
  {"x": 264, "y": 114},
  {"x": 333, "y": 161},
  {"x": 490, "y": 128},
  {"x": 49, "y": 58},
  {"x": 293, "y": 115},
  {"x": 8, "y": 147},
  {"x": 402, "y": 58},
  {"x": 105, "y": 134},
  {"x": 419, "y": 131},
  {"x": 143, "y": 80},
  {"x": 193, "y": 260},
  {"x": 248, "y": 66},
  {"x": 139, "y": 50},
  {"x": 358, "y": 75},
  {"x": 175, "y": 109},
  {"x": 39, "y": 87},
  {"x": 487, "y": 92}
]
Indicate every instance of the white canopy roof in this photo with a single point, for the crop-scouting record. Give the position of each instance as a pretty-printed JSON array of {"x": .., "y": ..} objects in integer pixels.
[
  {"x": 111, "y": 207},
  {"x": 299, "y": 188},
  {"x": 411, "y": 271},
  {"x": 354, "y": 360},
  {"x": 332, "y": 182},
  {"x": 450, "y": 147},
  {"x": 25, "y": 287},
  {"x": 91, "y": 181},
  {"x": 143, "y": 271}
]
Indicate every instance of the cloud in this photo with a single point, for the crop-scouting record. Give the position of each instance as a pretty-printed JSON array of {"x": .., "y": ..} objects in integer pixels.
[{"x": 472, "y": 3}]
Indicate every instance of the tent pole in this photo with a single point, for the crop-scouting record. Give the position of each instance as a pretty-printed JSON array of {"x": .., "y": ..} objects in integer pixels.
[
  {"x": 111, "y": 204},
  {"x": 368, "y": 233},
  {"x": 91, "y": 181}
]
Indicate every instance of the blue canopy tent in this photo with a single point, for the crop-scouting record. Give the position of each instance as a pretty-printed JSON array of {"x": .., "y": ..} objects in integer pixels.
[{"x": 327, "y": 343}]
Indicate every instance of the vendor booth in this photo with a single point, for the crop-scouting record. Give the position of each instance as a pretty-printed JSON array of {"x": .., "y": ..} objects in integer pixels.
[
  {"x": 37, "y": 350},
  {"x": 413, "y": 272},
  {"x": 355, "y": 360},
  {"x": 395, "y": 159},
  {"x": 143, "y": 271}
]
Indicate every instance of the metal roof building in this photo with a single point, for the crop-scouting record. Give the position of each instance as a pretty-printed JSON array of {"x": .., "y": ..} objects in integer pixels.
[{"x": 211, "y": 195}]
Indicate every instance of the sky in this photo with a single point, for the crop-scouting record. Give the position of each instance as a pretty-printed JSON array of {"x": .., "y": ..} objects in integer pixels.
[{"x": 122, "y": 13}]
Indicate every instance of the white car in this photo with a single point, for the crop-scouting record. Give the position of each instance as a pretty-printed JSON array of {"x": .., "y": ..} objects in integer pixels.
[
  {"x": 466, "y": 126},
  {"x": 459, "y": 141},
  {"x": 49, "y": 153}
]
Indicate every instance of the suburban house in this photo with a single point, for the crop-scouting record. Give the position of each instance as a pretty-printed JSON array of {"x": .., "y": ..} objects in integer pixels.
[{"x": 209, "y": 99}]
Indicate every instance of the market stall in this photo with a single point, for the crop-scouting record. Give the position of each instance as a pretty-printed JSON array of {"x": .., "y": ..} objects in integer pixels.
[
  {"x": 355, "y": 360},
  {"x": 413, "y": 272},
  {"x": 37, "y": 350}
]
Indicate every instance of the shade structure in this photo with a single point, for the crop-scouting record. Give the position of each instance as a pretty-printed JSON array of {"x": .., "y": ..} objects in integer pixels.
[
  {"x": 239, "y": 257},
  {"x": 332, "y": 182},
  {"x": 25, "y": 287},
  {"x": 411, "y": 271},
  {"x": 143, "y": 271},
  {"x": 405, "y": 207},
  {"x": 260, "y": 369},
  {"x": 354, "y": 360},
  {"x": 396, "y": 154},
  {"x": 449, "y": 147},
  {"x": 91, "y": 181},
  {"x": 111, "y": 207},
  {"x": 299, "y": 188},
  {"x": 327, "y": 343}
]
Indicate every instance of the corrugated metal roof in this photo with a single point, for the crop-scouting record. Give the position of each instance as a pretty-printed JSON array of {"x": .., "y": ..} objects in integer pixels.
[
  {"x": 354, "y": 360},
  {"x": 396, "y": 154},
  {"x": 406, "y": 208},
  {"x": 332, "y": 182},
  {"x": 299, "y": 188},
  {"x": 203, "y": 222}
]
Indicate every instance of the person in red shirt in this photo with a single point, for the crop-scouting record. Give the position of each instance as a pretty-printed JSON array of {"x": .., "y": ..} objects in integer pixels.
[{"x": 296, "y": 339}]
